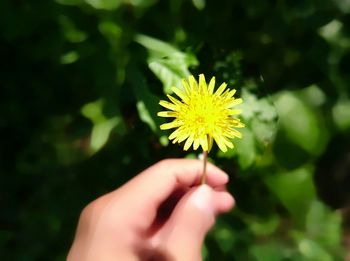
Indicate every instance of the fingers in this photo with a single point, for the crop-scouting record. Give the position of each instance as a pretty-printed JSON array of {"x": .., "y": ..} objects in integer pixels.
[
  {"x": 149, "y": 189},
  {"x": 127, "y": 213},
  {"x": 182, "y": 236}
]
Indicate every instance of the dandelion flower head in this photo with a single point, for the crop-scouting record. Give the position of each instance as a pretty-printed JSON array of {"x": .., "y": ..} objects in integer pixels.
[{"x": 201, "y": 115}]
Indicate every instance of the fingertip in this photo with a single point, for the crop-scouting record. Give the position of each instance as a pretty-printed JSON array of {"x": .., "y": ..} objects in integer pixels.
[
  {"x": 223, "y": 201},
  {"x": 216, "y": 176},
  {"x": 189, "y": 171},
  {"x": 201, "y": 198},
  {"x": 210, "y": 201}
]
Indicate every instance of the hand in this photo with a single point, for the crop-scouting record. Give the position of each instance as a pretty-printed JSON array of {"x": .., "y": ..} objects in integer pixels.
[{"x": 161, "y": 214}]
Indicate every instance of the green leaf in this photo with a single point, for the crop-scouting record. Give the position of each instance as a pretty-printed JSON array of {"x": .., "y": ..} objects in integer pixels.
[
  {"x": 331, "y": 31},
  {"x": 341, "y": 115},
  {"x": 261, "y": 115},
  {"x": 199, "y": 4},
  {"x": 70, "y": 57},
  {"x": 343, "y": 5},
  {"x": 104, "y": 4},
  {"x": 140, "y": 3},
  {"x": 311, "y": 250},
  {"x": 245, "y": 148},
  {"x": 264, "y": 131},
  {"x": 295, "y": 190},
  {"x": 264, "y": 226},
  {"x": 271, "y": 251},
  {"x": 300, "y": 123},
  {"x": 313, "y": 95},
  {"x": 111, "y": 31},
  {"x": 257, "y": 108},
  {"x": 70, "y": 2},
  {"x": 145, "y": 115},
  {"x": 224, "y": 235},
  {"x": 323, "y": 225},
  {"x": 100, "y": 133},
  {"x": 168, "y": 63},
  {"x": 71, "y": 32},
  {"x": 147, "y": 102},
  {"x": 102, "y": 126},
  {"x": 155, "y": 46}
]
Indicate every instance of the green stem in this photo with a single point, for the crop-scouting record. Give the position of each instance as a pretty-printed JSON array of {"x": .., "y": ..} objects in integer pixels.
[{"x": 204, "y": 175}]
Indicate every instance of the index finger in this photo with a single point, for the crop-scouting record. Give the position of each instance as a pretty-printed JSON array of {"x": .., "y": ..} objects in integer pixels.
[{"x": 147, "y": 191}]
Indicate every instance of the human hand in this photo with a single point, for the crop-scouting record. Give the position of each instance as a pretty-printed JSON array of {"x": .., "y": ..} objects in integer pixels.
[{"x": 161, "y": 214}]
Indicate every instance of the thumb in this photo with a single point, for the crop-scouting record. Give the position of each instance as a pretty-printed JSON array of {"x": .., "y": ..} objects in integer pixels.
[{"x": 194, "y": 215}]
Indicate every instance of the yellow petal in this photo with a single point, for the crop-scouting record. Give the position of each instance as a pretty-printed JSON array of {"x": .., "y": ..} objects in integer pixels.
[
  {"x": 196, "y": 144},
  {"x": 211, "y": 86},
  {"x": 167, "y": 114},
  {"x": 173, "y": 100},
  {"x": 202, "y": 84},
  {"x": 235, "y": 133},
  {"x": 180, "y": 94},
  {"x": 193, "y": 83},
  {"x": 234, "y": 103},
  {"x": 174, "y": 134},
  {"x": 221, "y": 89},
  {"x": 230, "y": 93},
  {"x": 186, "y": 87},
  {"x": 168, "y": 105},
  {"x": 228, "y": 143},
  {"x": 234, "y": 112},
  {"x": 204, "y": 143},
  {"x": 182, "y": 137},
  {"x": 188, "y": 142},
  {"x": 210, "y": 143},
  {"x": 170, "y": 125},
  {"x": 220, "y": 143},
  {"x": 237, "y": 123}
]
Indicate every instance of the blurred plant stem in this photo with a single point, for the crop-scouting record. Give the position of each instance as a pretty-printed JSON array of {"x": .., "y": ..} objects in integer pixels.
[{"x": 204, "y": 175}]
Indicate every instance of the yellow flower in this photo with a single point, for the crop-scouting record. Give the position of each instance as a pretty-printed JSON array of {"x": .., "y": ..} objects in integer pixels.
[{"x": 202, "y": 115}]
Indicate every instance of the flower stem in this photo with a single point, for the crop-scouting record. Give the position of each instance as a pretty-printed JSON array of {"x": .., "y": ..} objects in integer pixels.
[{"x": 204, "y": 175}]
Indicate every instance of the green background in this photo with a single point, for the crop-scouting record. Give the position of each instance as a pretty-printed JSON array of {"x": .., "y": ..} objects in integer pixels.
[{"x": 80, "y": 85}]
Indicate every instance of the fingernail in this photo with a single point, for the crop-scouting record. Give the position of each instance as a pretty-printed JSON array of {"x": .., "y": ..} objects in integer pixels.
[{"x": 202, "y": 199}]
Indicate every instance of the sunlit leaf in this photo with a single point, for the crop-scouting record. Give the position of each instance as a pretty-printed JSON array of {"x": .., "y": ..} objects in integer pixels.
[
  {"x": 102, "y": 126},
  {"x": 323, "y": 225},
  {"x": 300, "y": 123},
  {"x": 272, "y": 251},
  {"x": 100, "y": 133},
  {"x": 70, "y": 2},
  {"x": 245, "y": 148},
  {"x": 69, "y": 57},
  {"x": 145, "y": 115},
  {"x": 265, "y": 226},
  {"x": 169, "y": 64},
  {"x": 104, "y": 4},
  {"x": 311, "y": 250},
  {"x": 199, "y": 4},
  {"x": 225, "y": 237},
  {"x": 295, "y": 190},
  {"x": 313, "y": 95},
  {"x": 71, "y": 32},
  {"x": 341, "y": 114},
  {"x": 147, "y": 102},
  {"x": 111, "y": 31},
  {"x": 343, "y": 5}
]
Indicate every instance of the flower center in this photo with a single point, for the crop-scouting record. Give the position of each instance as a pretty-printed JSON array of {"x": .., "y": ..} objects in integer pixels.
[{"x": 199, "y": 119}]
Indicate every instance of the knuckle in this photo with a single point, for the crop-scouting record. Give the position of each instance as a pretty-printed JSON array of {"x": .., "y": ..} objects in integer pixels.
[
  {"x": 166, "y": 162},
  {"x": 87, "y": 212}
]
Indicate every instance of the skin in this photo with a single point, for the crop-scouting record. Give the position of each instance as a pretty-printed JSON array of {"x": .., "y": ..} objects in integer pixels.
[{"x": 161, "y": 214}]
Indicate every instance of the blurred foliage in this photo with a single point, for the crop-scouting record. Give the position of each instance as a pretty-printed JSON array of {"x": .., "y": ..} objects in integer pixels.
[{"x": 80, "y": 84}]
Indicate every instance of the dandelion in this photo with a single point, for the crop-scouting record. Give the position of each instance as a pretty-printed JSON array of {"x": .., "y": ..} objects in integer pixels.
[{"x": 202, "y": 116}]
